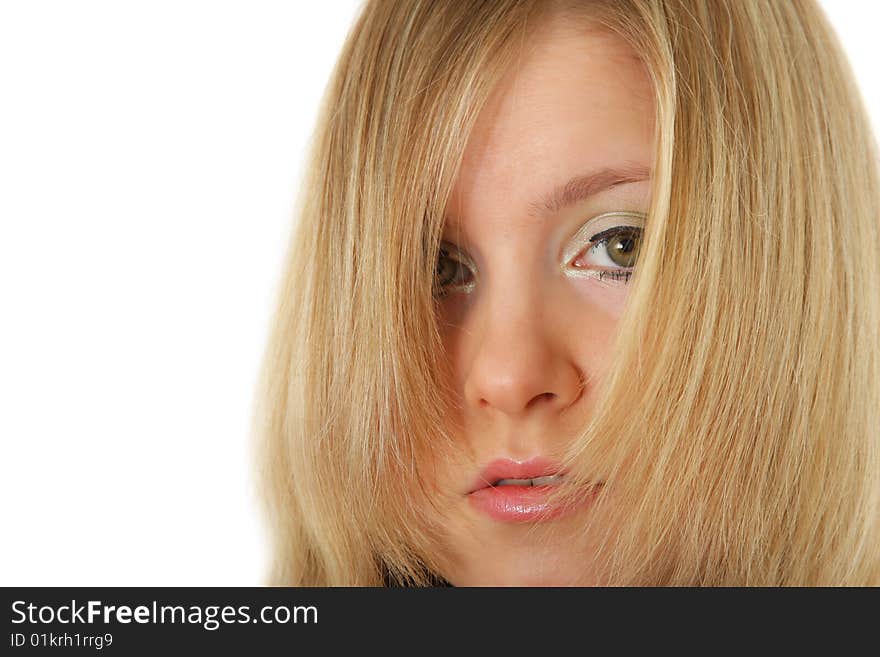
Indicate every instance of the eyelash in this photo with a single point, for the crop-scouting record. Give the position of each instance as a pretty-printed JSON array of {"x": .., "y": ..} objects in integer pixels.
[
  {"x": 599, "y": 239},
  {"x": 616, "y": 275},
  {"x": 446, "y": 252}
]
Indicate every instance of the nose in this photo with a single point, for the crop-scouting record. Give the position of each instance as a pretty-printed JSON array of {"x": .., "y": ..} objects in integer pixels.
[{"x": 519, "y": 366}]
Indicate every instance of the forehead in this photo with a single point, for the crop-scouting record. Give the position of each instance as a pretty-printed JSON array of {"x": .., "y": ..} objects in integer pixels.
[{"x": 575, "y": 100}]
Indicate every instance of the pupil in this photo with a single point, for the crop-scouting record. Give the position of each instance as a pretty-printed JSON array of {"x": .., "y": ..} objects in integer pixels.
[
  {"x": 445, "y": 269},
  {"x": 624, "y": 250}
]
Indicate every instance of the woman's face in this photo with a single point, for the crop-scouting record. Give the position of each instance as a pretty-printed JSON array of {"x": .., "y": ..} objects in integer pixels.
[{"x": 532, "y": 296}]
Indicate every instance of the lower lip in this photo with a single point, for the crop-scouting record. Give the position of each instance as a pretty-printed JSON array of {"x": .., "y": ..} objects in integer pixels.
[{"x": 523, "y": 503}]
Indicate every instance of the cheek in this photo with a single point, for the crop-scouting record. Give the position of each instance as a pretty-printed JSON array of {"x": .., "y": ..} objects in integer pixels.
[
  {"x": 591, "y": 323},
  {"x": 454, "y": 313},
  {"x": 451, "y": 312},
  {"x": 602, "y": 300}
]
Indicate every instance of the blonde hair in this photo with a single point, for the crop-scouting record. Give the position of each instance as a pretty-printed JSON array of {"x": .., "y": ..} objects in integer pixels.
[{"x": 739, "y": 427}]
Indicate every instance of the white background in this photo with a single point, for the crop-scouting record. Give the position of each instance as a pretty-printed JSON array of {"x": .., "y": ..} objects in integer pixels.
[{"x": 149, "y": 158}]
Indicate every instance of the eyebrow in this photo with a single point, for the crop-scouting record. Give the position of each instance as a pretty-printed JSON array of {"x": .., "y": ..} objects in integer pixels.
[{"x": 581, "y": 187}]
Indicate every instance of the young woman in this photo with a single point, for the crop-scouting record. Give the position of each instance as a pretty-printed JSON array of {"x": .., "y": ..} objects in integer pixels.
[{"x": 581, "y": 293}]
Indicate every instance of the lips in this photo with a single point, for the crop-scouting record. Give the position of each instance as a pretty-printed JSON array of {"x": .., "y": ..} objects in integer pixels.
[
  {"x": 505, "y": 470},
  {"x": 511, "y": 491}
]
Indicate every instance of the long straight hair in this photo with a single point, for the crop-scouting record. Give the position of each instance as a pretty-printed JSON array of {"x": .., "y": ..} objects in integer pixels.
[{"x": 739, "y": 426}]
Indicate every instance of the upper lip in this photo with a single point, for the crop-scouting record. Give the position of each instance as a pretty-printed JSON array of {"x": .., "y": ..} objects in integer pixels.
[{"x": 510, "y": 469}]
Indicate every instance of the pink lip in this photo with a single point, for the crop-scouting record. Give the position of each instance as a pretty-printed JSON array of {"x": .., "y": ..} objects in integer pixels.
[
  {"x": 509, "y": 469},
  {"x": 519, "y": 503}
]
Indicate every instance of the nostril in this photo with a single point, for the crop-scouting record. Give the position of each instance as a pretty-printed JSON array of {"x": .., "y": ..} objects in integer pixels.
[{"x": 548, "y": 396}]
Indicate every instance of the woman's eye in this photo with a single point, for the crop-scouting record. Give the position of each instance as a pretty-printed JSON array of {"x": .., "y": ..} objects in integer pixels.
[
  {"x": 451, "y": 273},
  {"x": 611, "y": 253}
]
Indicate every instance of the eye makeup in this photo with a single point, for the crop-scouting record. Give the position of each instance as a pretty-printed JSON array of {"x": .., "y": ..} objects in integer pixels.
[
  {"x": 597, "y": 232},
  {"x": 457, "y": 266},
  {"x": 456, "y": 271}
]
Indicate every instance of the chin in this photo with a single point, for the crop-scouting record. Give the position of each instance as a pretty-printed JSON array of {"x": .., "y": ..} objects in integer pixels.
[
  {"x": 474, "y": 552},
  {"x": 533, "y": 572},
  {"x": 524, "y": 580}
]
